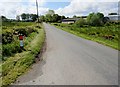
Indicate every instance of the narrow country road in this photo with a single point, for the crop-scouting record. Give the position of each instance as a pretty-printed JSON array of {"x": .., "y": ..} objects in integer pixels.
[{"x": 71, "y": 60}]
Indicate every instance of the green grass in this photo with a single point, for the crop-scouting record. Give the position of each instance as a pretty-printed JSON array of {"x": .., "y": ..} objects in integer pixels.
[
  {"x": 11, "y": 44},
  {"x": 18, "y": 64},
  {"x": 85, "y": 32}
]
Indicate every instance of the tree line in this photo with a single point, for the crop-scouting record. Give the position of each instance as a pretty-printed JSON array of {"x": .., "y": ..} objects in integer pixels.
[
  {"x": 51, "y": 17},
  {"x": 93, "y": 19},
  {"x": 27, "y": 17}
]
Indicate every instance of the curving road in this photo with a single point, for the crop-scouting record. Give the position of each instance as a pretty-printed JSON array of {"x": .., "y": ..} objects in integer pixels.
[{"x": 71, "y": 60}]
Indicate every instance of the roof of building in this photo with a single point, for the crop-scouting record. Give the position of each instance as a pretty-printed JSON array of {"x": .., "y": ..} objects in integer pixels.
[
  {"x": 114, "y": 17},
  {"x": 74, "y": 19}
]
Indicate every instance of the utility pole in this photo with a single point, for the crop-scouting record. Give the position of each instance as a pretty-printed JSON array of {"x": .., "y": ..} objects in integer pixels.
[{"x": 37, "y": 10}]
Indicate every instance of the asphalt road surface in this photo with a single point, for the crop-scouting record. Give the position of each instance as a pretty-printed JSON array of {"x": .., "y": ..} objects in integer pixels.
[{"x": 71, "y": 60}]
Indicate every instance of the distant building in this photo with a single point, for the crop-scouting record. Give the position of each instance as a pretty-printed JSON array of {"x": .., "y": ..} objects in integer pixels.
[
  {"x": 114, "y": 17},
  {"x": 84, "y": 17},
  {"x": 69, "y": 20},
  {"x": 72, "y": 20}
]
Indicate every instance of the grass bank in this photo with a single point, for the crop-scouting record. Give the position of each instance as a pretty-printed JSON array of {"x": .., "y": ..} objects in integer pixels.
[
  {"x": 106, "y": 35},
  {"x": 18, "y": 64}
]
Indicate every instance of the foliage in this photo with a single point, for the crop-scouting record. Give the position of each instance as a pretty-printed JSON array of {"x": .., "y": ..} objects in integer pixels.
[
  {"x": 10, "y": 38},
  {"x": 56, "y": 17},
  {"x": 95, "y": 19},
  {"x": 18, "y": 18},
  {"x": 74, "y": 16},
  {"x": 106, "y": 20},
  {"x": 20, "y": 62},
  {"x": 51, "y": 17},
  {"x": 63, "y": 17},
  {"x": 48, "y": 18},
  {"x": 80, "y": 22},
  {"x": 7, "y": 37},
  {"x": 33, "y": 17},
  {"x": 23, "y": 16},
  {"x": 3, "y": 18},
  {"x": 42, "y": 18},
  {"x": 51, "y": 12},
  {"x": 29, "y": 17},
  {"x": 10, "y": 49}
]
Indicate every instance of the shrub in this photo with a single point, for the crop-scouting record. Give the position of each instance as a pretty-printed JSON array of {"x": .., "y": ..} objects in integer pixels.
[
  {"x": 10, "y": 49},
  {"x": 22, "y": 31},
  {"x": 80, "y": 22},
  {"x": 95, "y": 19},
  {"x": 7, "y": 37}
]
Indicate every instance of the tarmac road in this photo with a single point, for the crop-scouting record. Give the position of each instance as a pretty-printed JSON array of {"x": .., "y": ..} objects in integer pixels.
[{"x": 71, "y": 60}]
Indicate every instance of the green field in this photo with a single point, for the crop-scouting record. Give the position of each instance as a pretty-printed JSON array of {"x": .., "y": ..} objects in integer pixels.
[
  {"x": 16, "y": 61},
  {"x": 107, "y": 34}
]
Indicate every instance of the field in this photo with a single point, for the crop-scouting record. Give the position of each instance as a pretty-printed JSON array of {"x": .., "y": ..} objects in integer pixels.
[
  {"x": 107, "y": 34},
  {"x": 16, "y": 61}
]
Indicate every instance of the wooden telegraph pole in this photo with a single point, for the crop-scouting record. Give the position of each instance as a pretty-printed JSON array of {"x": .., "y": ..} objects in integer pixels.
[{"x": 37, "y": 10}]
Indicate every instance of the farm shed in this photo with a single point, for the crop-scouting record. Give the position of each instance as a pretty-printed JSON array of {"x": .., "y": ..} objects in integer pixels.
[
  {"x": 68, "y": 21},
  {"x": 72, "y": 20}
]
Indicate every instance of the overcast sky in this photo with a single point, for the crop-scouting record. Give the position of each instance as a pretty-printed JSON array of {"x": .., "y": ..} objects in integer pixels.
[{"x": 11, "y": 8}]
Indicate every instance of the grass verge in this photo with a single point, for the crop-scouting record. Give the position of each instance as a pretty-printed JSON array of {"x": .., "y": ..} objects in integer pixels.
[
  {"x": 112, "y": 44},
  {"x": 15, "y": 66}
]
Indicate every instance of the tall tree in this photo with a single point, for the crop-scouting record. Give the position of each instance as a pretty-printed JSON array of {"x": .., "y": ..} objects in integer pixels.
[
  {"x": 42, "y": 18},
  {"x": 18, "y": 18},
  {"x": 80, "y": 22},
  {"x": 56, "y": 18},
  {"x": 23, "y": 16},
  {"x": 33, "y": 17},
  {"x": 95, "y": 19},
  {"x": 48, "y": 18},
  {"x": 74, "y": 16},
  {"x": 3, "y": 18},
  {"x": 51, "y": 12},
  {"x": 27, "y": 16},
  {"x": 62, "y": 17}
]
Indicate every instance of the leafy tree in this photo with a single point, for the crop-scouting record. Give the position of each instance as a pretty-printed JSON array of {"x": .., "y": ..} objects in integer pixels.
[
  {"x": 89, "y": 18},
  {"x": 33, "y": 17},
  {"x": 23, "y": 16},
  {"x": 95, "y": 19},
  {"x": 18, "y": 18},
  {"x": 56, "y": 18},
  {"x": 28, "y": 16},
  {"x": 48, "y": 18},
  {"x": 106, "y": 19},
  {"x": 51, "y": 12},
  {"x": 100, "y": 15},
  {"x": 42, "y": 18},
  {"x": 80, "y": 22},
  {"x": 74, "y": 16},
  {"x": 62, "y": 17},
  {"x": 3, "y": 18},
  {"x": 52, "y": 17}
]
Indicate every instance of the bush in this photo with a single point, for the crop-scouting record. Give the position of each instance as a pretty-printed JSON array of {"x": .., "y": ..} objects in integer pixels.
[
  {"x": 17, "y": 65},
  {"x": 22, "y": 31},
  {"x": 10, "y": 49},
  {"x": 80, "y": 22},
  {"x": 7, "y": 37},
  {"x": 95, "y": 19}
]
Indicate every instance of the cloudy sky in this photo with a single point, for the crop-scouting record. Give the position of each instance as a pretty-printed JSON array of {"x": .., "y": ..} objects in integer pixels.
[{"x": 11, "y": 8}]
